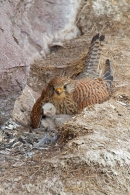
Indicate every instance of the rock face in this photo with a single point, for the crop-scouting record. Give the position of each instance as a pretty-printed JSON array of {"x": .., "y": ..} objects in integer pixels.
[
  {"x": 13, "y": 63},
  {"x": 23, "y": 105},
  {"x": 27, "y": 29}
]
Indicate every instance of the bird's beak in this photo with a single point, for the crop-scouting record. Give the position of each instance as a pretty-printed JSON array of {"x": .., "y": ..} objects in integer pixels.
[
  {"x": 59, "y": 90},
  {"x": 44, "y": 113}
]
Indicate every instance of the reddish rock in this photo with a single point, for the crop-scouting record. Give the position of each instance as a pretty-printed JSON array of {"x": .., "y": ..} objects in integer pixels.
[{"x": 13, "y": 64}]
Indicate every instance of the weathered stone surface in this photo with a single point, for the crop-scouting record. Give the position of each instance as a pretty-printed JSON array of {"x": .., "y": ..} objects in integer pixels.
[
  {"x": 44, "y": 22},
  {"x": 13, "y": 63},
  {"x": 27, "y": 29},
  {"x": 21, "y": 112}
]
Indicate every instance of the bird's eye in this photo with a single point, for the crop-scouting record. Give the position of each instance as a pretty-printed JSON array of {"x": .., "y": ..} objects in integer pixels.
[
  {"x": 50, "y": 108},
  {"x": 65, "y": 86},
  {"x": 52, "y": 88}
]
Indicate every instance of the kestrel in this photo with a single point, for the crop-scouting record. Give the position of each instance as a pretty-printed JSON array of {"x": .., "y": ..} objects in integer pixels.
[{"x": 71, "y": 96}]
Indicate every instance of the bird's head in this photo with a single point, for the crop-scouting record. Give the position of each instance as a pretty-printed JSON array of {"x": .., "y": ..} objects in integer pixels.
[
  {"x": 49, "y": 110},
  {"x": 61, "y": 86}
]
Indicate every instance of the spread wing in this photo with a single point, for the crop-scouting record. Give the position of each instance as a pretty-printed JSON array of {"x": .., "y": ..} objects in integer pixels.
[
  {"x": 107, "y": 75},
  {"x": 92, "y": 60}
]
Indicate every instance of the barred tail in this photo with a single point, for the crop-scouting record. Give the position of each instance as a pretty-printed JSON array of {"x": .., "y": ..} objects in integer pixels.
[
  {"x": 93, "y": 56},
  {"x": 107, "y": 75}
]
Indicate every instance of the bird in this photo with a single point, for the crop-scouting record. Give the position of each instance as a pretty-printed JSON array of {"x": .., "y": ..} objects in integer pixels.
[
  {"x": 72, "y": 96},
  {"x": 49, "y": 110},
  {"x": 50, "y": 119}
]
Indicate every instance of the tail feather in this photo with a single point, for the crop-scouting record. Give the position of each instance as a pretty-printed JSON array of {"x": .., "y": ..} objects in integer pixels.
[
  {"x": 102, "y": 37},
  {"x": 95, "y": 38},
  {"x": 107, "y": 75},
  {"x": 93, "y": 56}
]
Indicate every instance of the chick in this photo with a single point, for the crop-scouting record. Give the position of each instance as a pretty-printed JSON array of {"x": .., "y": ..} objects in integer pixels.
[{"x": 52, "y": 120}]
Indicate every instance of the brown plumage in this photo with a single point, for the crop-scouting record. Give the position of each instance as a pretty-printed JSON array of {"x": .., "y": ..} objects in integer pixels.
[
  {"x": 92, "y": 60},
  {"x": 71, "y": 96}
]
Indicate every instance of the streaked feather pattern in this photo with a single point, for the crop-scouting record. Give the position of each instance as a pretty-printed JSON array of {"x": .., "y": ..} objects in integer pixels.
[
  {"x": 93, "y": 57},
  {"x": 71, "y": 96}
]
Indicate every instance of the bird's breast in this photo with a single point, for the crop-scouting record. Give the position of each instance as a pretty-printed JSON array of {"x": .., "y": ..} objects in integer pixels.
[
  {"x": 59, "y": 97},
  {"x": 63, "y": 104}
]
